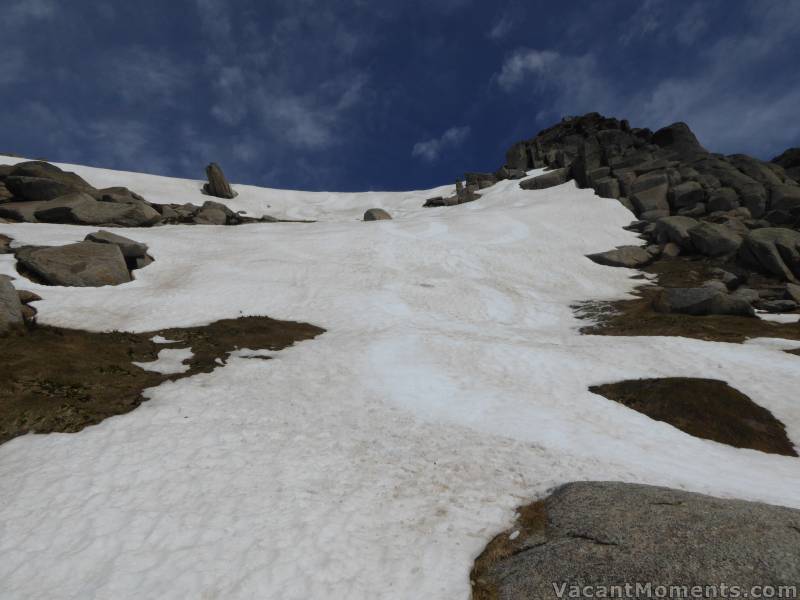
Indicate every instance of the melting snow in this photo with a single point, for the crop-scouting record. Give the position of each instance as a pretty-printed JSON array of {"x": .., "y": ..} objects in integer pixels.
[
  {"x": 377, "y": 460},
  {"x": 169, "y": 361}
]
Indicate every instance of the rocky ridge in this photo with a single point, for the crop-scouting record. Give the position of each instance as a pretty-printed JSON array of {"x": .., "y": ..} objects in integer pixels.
[
  {"x": 736, "y": 212},
  {"x": 37, "y": 191}
]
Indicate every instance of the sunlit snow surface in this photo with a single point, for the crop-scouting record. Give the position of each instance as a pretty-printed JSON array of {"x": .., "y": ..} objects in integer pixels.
[
  {"x": 170, "y": 360},
  {"x": 377, "y": 460}
]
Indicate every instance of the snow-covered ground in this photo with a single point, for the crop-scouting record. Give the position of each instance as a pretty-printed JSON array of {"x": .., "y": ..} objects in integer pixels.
[{"x": 377, "y": 460}]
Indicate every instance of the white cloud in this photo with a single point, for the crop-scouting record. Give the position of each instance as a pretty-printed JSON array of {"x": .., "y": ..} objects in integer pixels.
[
  {"x": 523, "y": 63},
  {"x": 430, "y": 150},
  {"x": 719, "y": 101},
  {"x": 501, "y": 28},
  {"x": 29, "y": 10},
  {"x": 646, "y": 20}
]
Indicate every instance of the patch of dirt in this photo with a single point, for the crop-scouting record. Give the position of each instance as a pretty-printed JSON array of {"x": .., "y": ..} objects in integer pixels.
[
  {"x": 62, "y": 380},
  {"x": 705, "y": 408},
  {"x": 528, "y": 531},
  {"x": 636, "y": 317}
]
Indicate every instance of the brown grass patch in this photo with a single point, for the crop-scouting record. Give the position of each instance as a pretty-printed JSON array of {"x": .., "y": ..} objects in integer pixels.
[
  {"x": 62, "y": 380},
  {"x": 705, "y": 408}
]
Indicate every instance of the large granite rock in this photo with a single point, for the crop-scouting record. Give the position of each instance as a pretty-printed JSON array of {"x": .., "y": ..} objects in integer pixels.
[
  {"x": 546, "y": 180},
  {"x": 377, "y": 214},
  {"x": 676, "y": 230},
  {"x": 774, "y": 250},
  {"x": 214, "y": 213},
  {"x": 129, "y": 248},
  {"x": 631, "y": 257},
  {"x": 611, "y": 534},
  {"x": 83, "y": 264},
  {"x": 701, "y": 301},
  {"x": 217, "y": 183},
  {"x": 39, "y": 181},
  {"x": 649, "y": 195},
  {"x": 10, "y": 306},
  {"x": 790, "y": 162},
  {"x": 713, "y": 239},
  {"x": 81, "y": 209}
]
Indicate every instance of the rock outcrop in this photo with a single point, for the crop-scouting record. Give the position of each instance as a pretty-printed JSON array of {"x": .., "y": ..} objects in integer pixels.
[
  {"x": 790, "y": 162},
  {"x": 377, "y": 214},
  {"x": 217, "y": 183},
  {"x": 10, "y": 306},
  {"x": 83, "y": 264},
  {"x": 611, "y": 534},
  {"x": 134, "y": 253}
]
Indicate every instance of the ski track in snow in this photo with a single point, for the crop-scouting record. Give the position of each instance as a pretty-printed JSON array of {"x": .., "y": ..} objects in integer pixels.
[{"x": 377, "y": 460}]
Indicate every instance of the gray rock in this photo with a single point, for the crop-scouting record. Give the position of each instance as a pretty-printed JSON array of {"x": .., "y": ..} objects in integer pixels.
[
  {"x": 607, "y": 187},
  {"x": 5, "y": 244},
  {"x": 654, "y": 215},
  {"x": 37, "y": 188},
  {"x": 608, "y": 534},
  {"x": 729, "y": 279},
  {"x": 546, "y": 180},
  {"x": 712, "y": 239},
  {"x": 214, "y": 213},
  {"x": 20, "y": 211},
  {"x": 786, "y": 197},
  {"x": 747, "y": 294},
  {"x": 130, "y": 248},
  {"x": 775, "y": 250},
  {"x": 10, "y": 306},
  {"x": 670, "y": 250},
  {"x": 597, "y": 174},
  {"x": 435, "y": 201},
  {"x": 678, "y": 138},
  {"x": 723, "y": 199},
  {"x": 377, "y": 214},
  {"x": 217, "y": 183},
  {"x": 39, "y": 181},
  {"x": 631, "y": 257},
  {"x": 793, "y": 292},
  {"x": 517, "y": 157},
  {"x": 778, "y": 306},
  {"x": 649, "y": 193},
  {"x": 26, "y": 296},
  {"x": 687, "y": 194},
  {"x": 698, "y": 210},
  {"x": 701, "y": 301},
  {"x": 83, "y": 264},
  {"x": 507, "y": 173},
  {"x": 480, "y": 180},
  {"x": 44, "y": 170},
  {"x": 81, "y": 209},
  {"x": 675, "y": 229}
]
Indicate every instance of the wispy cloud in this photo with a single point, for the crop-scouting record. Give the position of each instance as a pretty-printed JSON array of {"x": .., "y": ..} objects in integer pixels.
[
  {"x": 430, "y": 150},
  {"x": 501, "y": 28},
  {"x": 718, "y": 98},
  {"x": 29, "y": 10},
  {"x": 524, "y": 63},
  {"x": 139, "y": 75}
]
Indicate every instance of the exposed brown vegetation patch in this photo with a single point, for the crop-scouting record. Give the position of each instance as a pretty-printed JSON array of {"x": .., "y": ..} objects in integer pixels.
[
  {"x": 636, "y": 317},
  {"x": 62, "y": 380},
  {"x": 528, "y": 531},
  {"x": 705, "y": 408}
]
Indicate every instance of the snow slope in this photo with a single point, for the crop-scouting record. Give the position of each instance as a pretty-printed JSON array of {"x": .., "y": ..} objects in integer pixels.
[{"x": 377, "y": 460}]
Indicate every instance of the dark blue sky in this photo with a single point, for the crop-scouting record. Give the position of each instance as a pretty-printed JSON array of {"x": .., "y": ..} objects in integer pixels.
[{"x": 370, "y": 94}]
